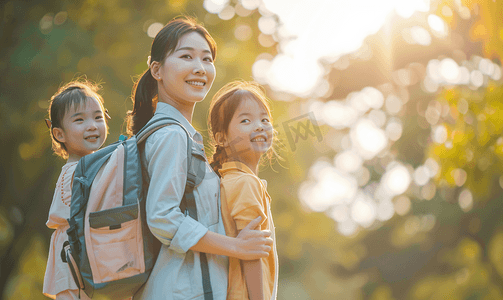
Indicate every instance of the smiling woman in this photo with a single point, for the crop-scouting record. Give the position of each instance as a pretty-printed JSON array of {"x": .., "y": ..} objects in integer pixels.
[{"x": 193, "y": 255}]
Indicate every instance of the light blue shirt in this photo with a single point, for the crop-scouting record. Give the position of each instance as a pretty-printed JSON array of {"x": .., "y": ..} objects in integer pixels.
[{"x": 177, "y": 271}]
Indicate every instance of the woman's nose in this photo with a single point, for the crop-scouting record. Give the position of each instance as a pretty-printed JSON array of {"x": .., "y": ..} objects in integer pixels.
[{"x": 199, "y": 67}]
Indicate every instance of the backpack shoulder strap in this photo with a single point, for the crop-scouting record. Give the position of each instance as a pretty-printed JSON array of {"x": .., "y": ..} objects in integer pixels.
[
  {"x": 85, "y": 172},
  {"x": 154, "y": 124},
  {"x": 195, "y": 152}
]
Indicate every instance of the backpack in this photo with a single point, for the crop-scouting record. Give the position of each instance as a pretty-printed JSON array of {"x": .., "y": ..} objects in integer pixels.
[{"x": 110, "y": 249}]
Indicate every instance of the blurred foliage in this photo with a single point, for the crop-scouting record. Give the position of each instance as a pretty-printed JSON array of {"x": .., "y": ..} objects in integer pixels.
[
  {"x": 472, "y": 154},
  {"x": 487, "y": 28},
  {"x": 435, "y": 251}
]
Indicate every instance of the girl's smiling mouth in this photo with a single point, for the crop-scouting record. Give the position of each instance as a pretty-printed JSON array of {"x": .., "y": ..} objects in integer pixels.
[
  {"x": 260, "y": 138},
  {"x": 92, "y": 138}
]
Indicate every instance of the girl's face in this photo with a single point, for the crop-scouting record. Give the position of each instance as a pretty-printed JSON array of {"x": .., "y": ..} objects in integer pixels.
[
  {"x": 250, "y": 133},
  {"x": 84, "y": 129},
  {"x": 186, "y": 75}
]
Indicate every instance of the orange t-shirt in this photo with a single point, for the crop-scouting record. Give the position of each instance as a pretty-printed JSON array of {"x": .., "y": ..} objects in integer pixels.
[{"x": 244, "y": 197}]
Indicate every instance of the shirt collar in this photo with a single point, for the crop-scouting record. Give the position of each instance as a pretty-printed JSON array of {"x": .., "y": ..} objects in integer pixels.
[
  {"x": 169, "y": 110},
  {"x": 235, "y": 165}
]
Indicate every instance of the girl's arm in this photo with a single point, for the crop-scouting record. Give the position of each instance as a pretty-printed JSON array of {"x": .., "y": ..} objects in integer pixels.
[
  {"x": 248, "y": 245},
  {"x": 253, "y": 276}
]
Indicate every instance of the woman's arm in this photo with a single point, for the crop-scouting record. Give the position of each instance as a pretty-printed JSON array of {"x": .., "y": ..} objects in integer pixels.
[
  {"x": 166, "y": 163},
  {"x": 169, "y": 224},
  {"x": 248, "y": 245}
]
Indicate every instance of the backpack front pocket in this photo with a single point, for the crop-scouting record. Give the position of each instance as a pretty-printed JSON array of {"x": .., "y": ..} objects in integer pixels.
[{"x": 116, "y": 249}]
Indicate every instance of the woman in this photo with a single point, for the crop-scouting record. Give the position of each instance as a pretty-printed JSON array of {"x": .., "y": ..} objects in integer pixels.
[{"x": 180, "y": 74}]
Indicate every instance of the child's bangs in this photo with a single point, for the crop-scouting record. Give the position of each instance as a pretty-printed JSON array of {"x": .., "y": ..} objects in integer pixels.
[
  {"x": 242, "y": 95},
  {"x": 78, "y": 99}
]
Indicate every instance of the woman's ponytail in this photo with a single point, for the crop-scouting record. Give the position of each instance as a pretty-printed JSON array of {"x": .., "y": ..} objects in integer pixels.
[{"x": 144, "y": 91}]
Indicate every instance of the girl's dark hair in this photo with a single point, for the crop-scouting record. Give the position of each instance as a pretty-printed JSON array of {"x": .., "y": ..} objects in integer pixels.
[
  {"x": 222, "y": 108},
  {"x": 72, "y": 94},
  {"x": 144, "y": 94}
]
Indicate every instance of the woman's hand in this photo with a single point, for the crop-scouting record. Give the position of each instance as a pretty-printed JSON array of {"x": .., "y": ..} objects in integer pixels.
[
  {"x": 248, "y": 245},
  {"x": 253, "y": 243}
]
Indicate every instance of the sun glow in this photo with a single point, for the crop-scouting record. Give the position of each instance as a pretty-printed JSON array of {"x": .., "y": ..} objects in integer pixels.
[{"x": 311, "y": 30}]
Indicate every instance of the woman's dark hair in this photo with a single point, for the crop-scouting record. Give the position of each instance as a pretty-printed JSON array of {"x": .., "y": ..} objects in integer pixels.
[
  {"x": 222, "y": 108},
  {"x": 72, "y": 94},
  {"x": 144, "y": 94}
]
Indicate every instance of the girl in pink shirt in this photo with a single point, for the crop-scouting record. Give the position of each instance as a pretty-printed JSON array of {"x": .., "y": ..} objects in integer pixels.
[{"x": 78, "y": 127}]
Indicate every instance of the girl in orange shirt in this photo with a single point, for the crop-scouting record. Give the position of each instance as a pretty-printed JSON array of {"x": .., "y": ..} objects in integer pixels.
[
  {"x": 78, "y": 127},
  {"x": 240, "y": 124}
]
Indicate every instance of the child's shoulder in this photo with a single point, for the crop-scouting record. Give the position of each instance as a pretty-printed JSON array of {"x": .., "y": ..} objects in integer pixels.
[
  {"x": 69, "y": 167},
  {"x": 64, "y": 184},
  {"x": 238, "y": 179}
]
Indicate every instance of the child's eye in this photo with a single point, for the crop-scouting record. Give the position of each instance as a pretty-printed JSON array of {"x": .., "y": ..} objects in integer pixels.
[
  {"x": 245, "y": 121},
  {"x": 208, "y": 59},
  {"x": 78, "y": 120},
  {"x": 99, "y": 117},
  {"x": 265, "y": 120}
]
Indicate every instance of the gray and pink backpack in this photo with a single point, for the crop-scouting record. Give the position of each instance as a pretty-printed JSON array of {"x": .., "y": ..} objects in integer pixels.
[{"x": 110, "y": 250}]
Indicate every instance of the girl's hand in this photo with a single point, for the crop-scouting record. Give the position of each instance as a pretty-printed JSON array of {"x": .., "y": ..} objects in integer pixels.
[{"x": 252, "y": 243}]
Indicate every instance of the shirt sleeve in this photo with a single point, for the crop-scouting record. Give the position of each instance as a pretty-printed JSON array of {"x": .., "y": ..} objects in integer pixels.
[
  {"x": 166, "y": 155},
  {"x": 245, "y": 200}
]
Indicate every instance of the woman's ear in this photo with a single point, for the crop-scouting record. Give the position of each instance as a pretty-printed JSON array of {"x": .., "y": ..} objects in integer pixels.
[
  {"x": 155, "y": 68},
  {"x": 59, "y": 134},
  {"x": 220, "y": 139}
]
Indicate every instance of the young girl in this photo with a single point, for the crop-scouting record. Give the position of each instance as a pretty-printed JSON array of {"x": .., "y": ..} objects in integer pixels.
[
  {"x": 78, "y": 127},
  {"x": 240, "y": 124}
]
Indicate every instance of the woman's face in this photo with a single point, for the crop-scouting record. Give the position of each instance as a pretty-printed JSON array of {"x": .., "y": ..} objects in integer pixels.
[{"x": 186, "y": 75}]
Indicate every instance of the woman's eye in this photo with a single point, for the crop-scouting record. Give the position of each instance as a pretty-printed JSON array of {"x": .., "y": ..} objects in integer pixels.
[
  {"x": 208, "y": 59},
  {"x": 186, "y": 56}
]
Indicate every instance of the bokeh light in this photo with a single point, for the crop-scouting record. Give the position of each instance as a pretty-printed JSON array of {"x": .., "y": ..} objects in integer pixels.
[
  {"x": 396, "y": 180},
  {"x": 215, "y": 6},
  {"x": 154, "y": 28},
  {"x": 438, "y": 25},
  {"x": 368, "y": 138},
  {"x": 243, "y": 32},
  {"x": 250, "y": 4},
  {"x": 310, "y": 43}
]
